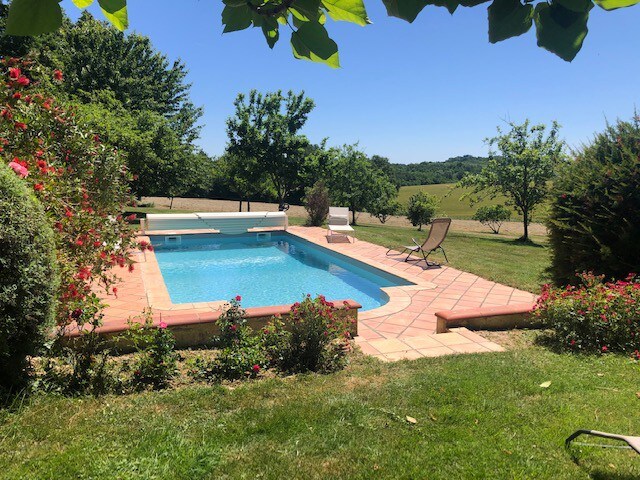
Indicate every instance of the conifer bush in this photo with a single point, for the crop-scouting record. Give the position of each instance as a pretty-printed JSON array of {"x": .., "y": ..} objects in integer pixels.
[{"x": 594, "y": 222}]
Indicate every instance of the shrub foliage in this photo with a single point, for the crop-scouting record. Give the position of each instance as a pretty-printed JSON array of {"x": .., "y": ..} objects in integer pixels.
[
  {"x": 316, "y": 203},
  {"x": 594, "y": 221},
  {"x": 595, "y": 316},
  {"x": 28, "y": 277}
]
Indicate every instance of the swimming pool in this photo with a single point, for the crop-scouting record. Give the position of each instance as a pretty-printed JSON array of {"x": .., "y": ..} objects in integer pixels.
[{"x": 265, "y": 269}]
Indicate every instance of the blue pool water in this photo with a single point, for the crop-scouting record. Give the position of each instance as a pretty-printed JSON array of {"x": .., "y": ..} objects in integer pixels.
[{"x": 276, "y": 270}]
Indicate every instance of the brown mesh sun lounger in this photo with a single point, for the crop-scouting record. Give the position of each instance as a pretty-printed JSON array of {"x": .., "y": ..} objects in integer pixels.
[
  {"x": 632, "y": 442},
  {"x": 437, "y": 234}
]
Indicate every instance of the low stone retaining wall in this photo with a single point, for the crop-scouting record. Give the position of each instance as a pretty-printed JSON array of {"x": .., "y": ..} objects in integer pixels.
[
  {"x": 192, "y": 330},
  {"x": 488, "y": 318}
]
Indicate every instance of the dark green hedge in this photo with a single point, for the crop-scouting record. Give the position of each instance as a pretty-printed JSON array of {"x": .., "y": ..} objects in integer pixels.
[
  {"x": 28, "y": 277},
  {"x": 594, "y": 221}
]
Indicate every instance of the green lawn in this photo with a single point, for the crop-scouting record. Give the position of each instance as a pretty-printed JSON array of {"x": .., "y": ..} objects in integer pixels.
[
  {"x": 452, "y": 206},
  {"x": 494, "y": 257},
  {"x": 478, "y": 416}
]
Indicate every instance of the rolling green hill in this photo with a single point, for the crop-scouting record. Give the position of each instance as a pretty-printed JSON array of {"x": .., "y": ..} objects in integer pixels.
[{"x": 452, "y": 206}]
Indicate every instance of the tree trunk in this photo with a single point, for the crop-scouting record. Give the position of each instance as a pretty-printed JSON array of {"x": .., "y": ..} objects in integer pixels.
[
  {"x": 525, "y": 216},
  {"x": 248, "y": 205},
  {"x": 353, "y": 216},
  {"x": 240, "y": 206},
  {"x": 171, "y": 203}
]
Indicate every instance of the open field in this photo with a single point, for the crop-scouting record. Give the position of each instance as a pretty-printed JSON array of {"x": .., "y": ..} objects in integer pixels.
[
  {"x": 476, "y": 416},
  {"x": 452, "y": 206},
  {"x": 297, "y": 214}
]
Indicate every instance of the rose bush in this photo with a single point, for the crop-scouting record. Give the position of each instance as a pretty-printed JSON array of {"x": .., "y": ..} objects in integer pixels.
[
  {"x": 82, "y": 184},
  {"x": 596, "y": 316}
]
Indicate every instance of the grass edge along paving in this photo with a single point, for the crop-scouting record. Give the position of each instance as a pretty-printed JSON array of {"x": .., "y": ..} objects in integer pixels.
[{"x": 476, "y": 416}]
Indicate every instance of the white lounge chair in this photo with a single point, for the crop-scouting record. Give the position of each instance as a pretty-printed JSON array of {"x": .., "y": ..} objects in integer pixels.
[{"x": 339, "y": 223}]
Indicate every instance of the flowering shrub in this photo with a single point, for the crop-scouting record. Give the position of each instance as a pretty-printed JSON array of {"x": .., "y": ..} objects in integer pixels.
[
  {"x": 28, "y": 278},
  {"x": 156, "y": 362},
  {"x": 596, "y": 316},
  {"x": 233, "y": 326},
  {"x": 82, "y": 184},
  {"x": 317, "y": 339}
]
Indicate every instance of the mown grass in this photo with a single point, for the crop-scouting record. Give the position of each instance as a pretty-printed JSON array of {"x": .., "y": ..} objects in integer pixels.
[
  {"x": 478, "y": 416},
  {"x": 451, "y": 205},
  {"x": 498, "y": 258}
]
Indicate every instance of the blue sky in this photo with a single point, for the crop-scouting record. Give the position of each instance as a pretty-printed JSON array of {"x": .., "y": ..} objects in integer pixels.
[{"x": 416, "y": 92}]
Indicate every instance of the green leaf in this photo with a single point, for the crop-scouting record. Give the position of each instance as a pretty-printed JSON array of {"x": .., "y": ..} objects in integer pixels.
[
  {"x": 116, "y": 12},
  {"x": 347, "y": 10},
  {"x": 33, "y": 17},
  {"x": 82, "y": 3},
  {"x": 311, "y": 42},
  {"x": 405, "y": 9},
  {"x": 579, "y": 6},
  {"x": 613, "y": 4},
  {"x": 560, "y": 30},
  {"x": 270, "y": 31},
  {"x": 306, "y": 10},
  {"x": 450, "y": 5},
  {"x": 508, "y": 18},
  {"x": 236, "y": 18}
]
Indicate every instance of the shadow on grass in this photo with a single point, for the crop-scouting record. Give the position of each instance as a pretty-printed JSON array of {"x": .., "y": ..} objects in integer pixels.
[{"x": 601, "y": 472}]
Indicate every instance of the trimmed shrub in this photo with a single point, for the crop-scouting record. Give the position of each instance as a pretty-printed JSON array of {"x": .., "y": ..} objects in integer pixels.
[
  {"x": 492, "y": 216},
  {"x": 421, "y": 209},
  {"x": 594, "y": 220},
  {"x": 596, "y": 317},
  {"x": 28, "y": 277},
  {"x": 316, "y": 203}
]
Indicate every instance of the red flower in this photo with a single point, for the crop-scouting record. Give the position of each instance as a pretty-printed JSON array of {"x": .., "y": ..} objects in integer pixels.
[
  {"x": 79, "y": 242},
  {"x": 604, "y": 349},
  {"x": 17, "y": 95},
  {"x": 24, "y": 81},
  {"x": 162, "y": 325},
  {"x": 38, "y": 186},
  {"x": 14, "y": 73},
  {"x": 21, "y": 126},
  {"x": 131, "y": 218},
  {"x": 255, "y": 368},
  {"x": 96, "y": 243},
  {"x": 57, "y": 75},
  {"x": 68, "y": 213},
  {"x": 233, "y": 328},
  {"x": 115, "y": 291},
  {"x": 20, "y": 170},
  {"x": 238, "y": 298}
]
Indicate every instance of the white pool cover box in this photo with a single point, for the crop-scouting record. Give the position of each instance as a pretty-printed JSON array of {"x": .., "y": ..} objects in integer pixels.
[{"x": 222, "y": 222}]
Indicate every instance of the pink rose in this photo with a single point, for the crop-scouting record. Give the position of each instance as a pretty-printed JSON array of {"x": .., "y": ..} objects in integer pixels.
[
  {"x": 238, "y": 298},
  {"x": 20, "y": 170},
  {"x": 162, "y": 325},
  {"x": 255, "y": 368}
]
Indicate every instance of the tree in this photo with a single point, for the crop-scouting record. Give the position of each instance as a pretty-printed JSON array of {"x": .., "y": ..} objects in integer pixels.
[
  {"x": 522, "y": 171},
  {"x": 421, "y": 209},
  {"x": 242, "y": 177},
  {"x": 386, "y": 204},
  {"x": 265, "y": 129},
  {"x": 493, "y": 216},
  {"x": 96, "y": 57},
  {"x": 561, "y": 26},
  {"x": 353, "y": 181}
]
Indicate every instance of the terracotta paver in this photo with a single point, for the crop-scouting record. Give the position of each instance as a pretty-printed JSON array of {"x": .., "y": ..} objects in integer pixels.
[{"x": 404, "y": 328}]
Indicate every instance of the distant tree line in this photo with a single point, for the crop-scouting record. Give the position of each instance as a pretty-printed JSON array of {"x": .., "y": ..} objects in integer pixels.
[{"x": 428, "y": 173}]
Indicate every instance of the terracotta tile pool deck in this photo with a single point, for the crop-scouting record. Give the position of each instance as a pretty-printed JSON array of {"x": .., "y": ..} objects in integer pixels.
[{"x": 404, "y": 328}]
